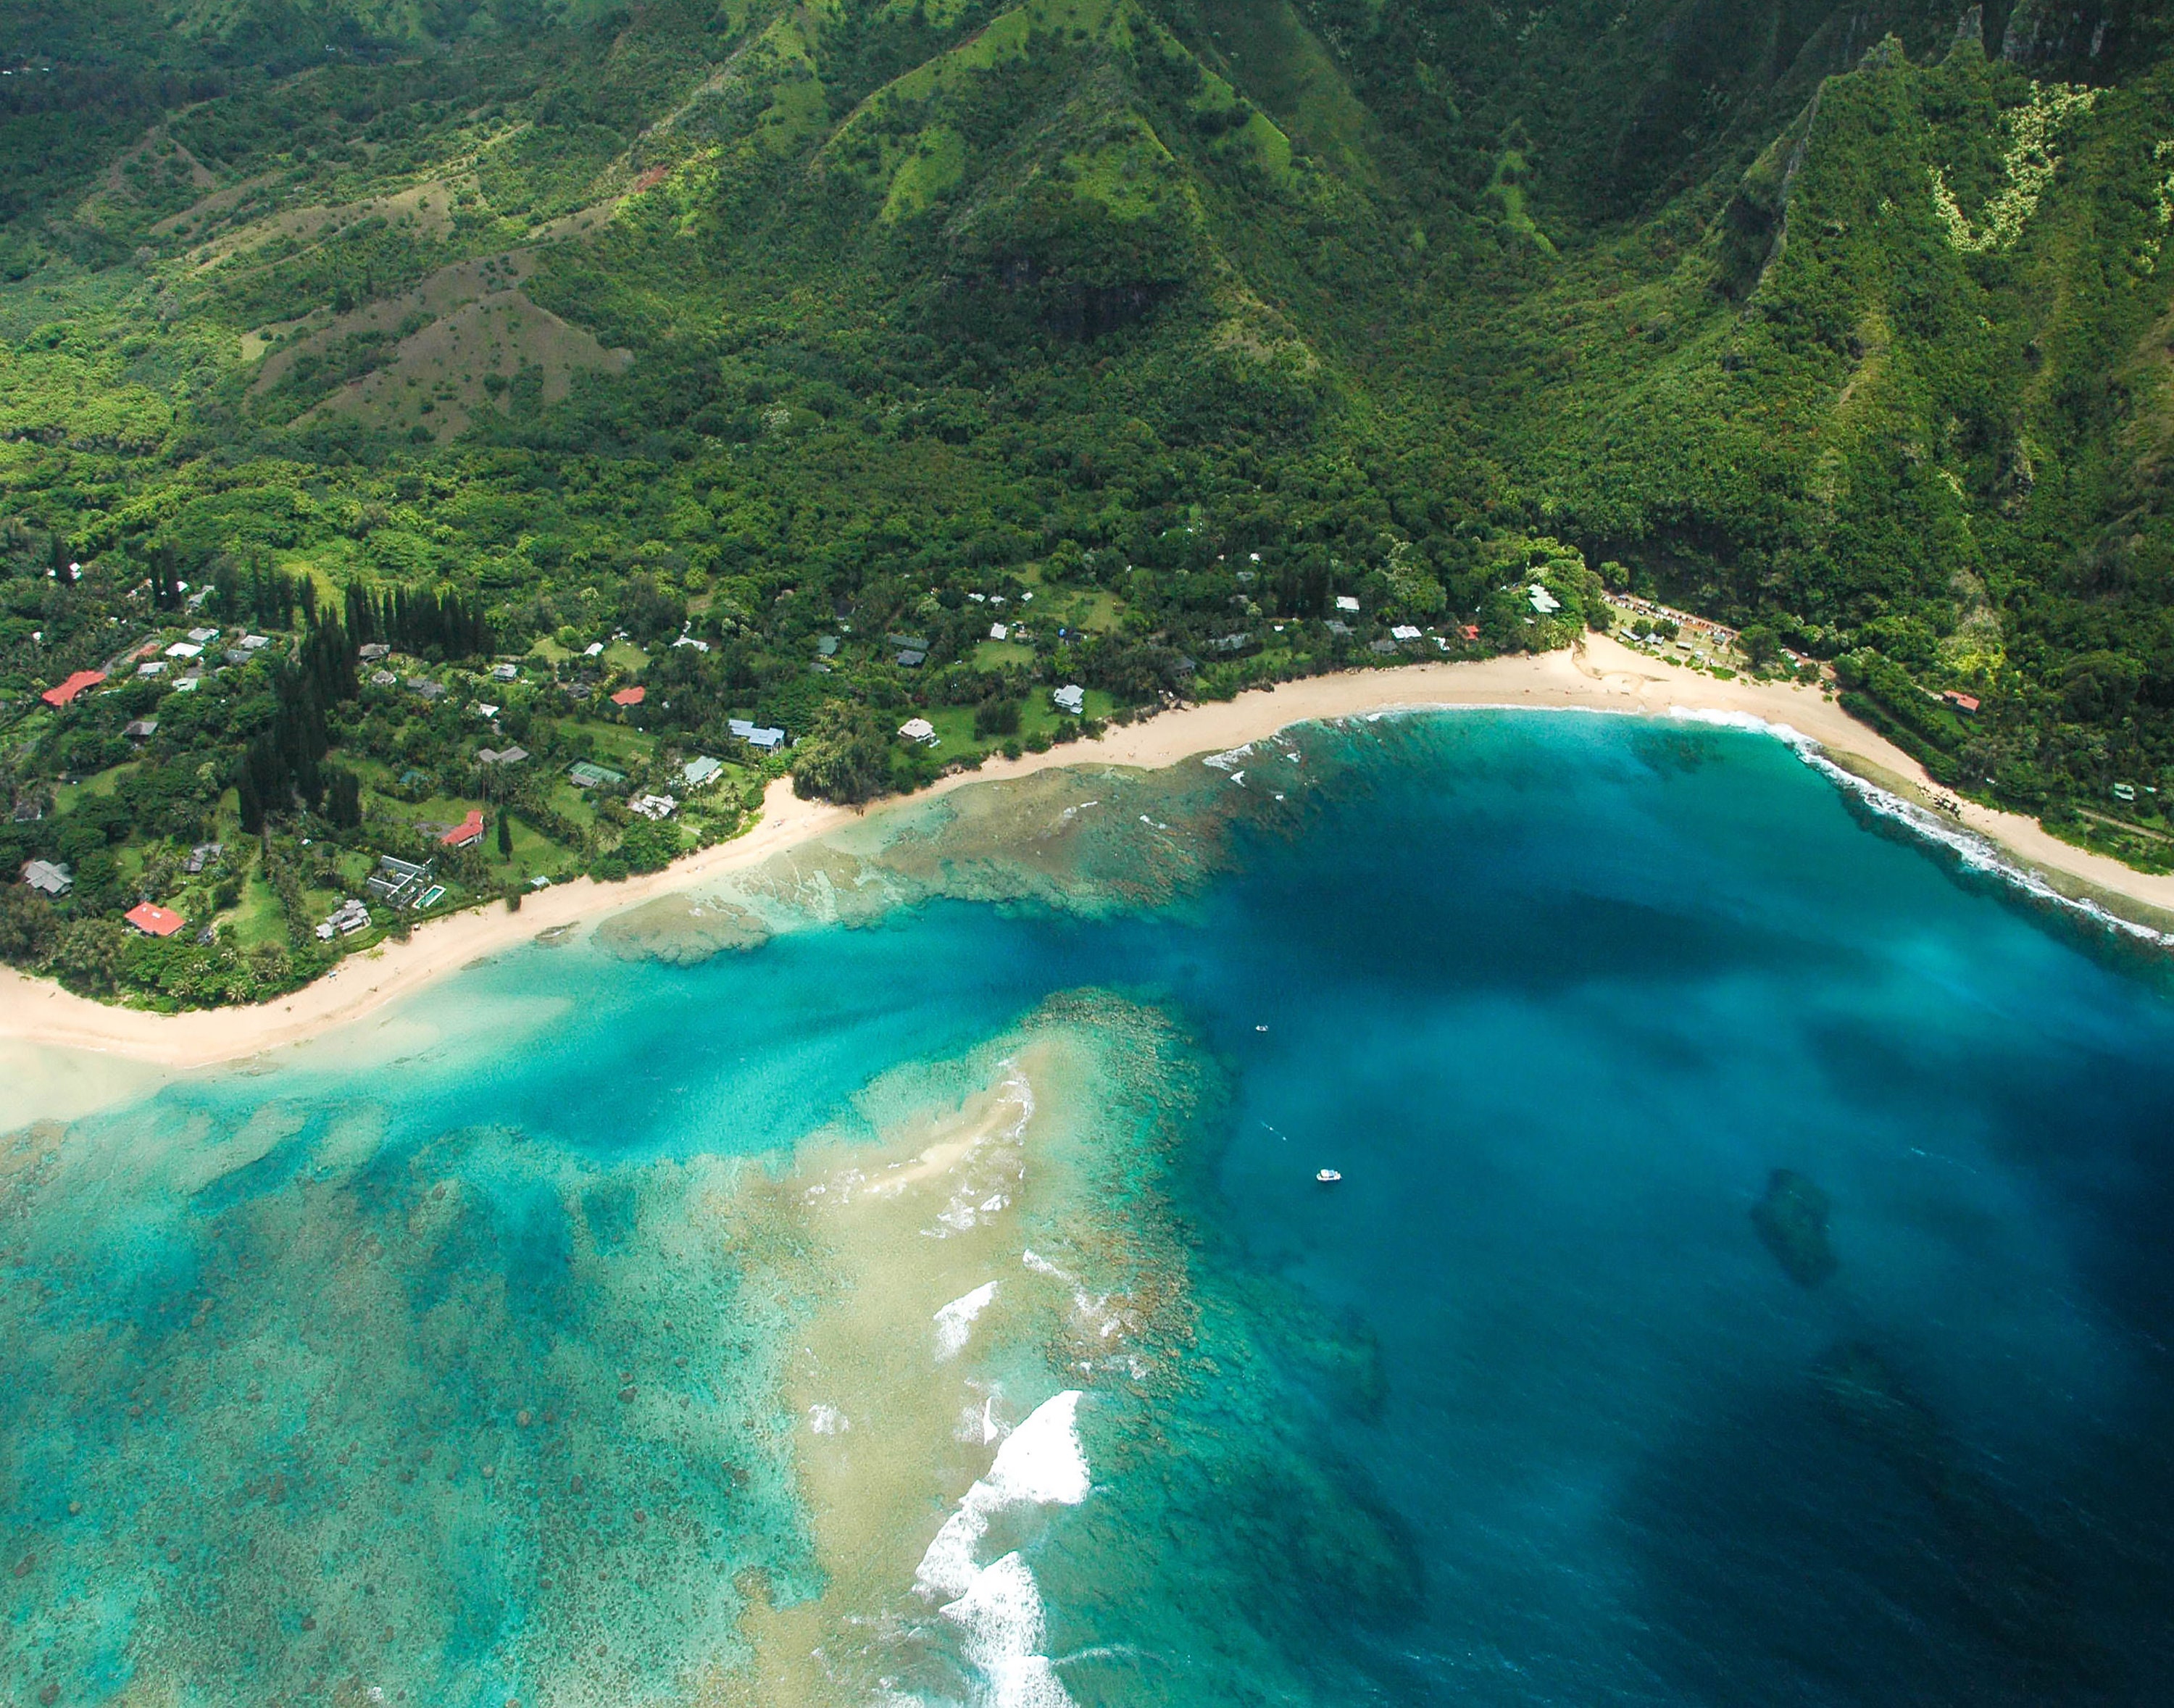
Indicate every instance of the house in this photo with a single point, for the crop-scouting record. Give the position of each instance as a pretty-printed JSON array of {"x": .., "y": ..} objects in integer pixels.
[
  {"x": 998, "y": 631},
  {"x": 910, "y": 660},
  {"x": 1230, "y": 643},
  {"x": 595, "y": 649},
  {"x": 153, "y": 919},
  {"x": 690, "y": 641},
  {"x": 653, "y": 805},
  {"x": 2124, "y": 791},
  {"x": 143, "y": 729},
  {"x": 423, "y": 687},
  {"x": 698, "y": 771},
  {"x": 1071, "y": 698},
  {"x": 184, "y": 649},
  {"x": 630, "y": 696},
  {"x": 203, "y": 855},
  {"x": 1383, "y": 647},
  {"x": 371, "y": 653},
  {"x": 505, "y": 673},
  {"x": 383, "y": 679},
  {"x": 918, "y": 729},
  {"x": 203, "y": 636},
  {"x": 61, "y": 693},
  {"x": 485, "y": 710},
  {"x": 1543, "y": 601},
  {"x": 397, "y": 882},
  {"x": 157, "y": 666},
  {"x": 502, "y": 756},
  {"x": 588, "y": 776},
  {"x": 254, "y": 643},
  {"x": 1344, "y": 602},
  {"x": 47, "y": 877},
  {"x": 767, "y": 741},
  {"x": 1336, "y": 626},
  {"x": 1961, "y": 702},
  {"x": 466, "y": 833},
  {"x": 1470, "y": 631},
  {"x": 826, "y": 645},
  {"x": 350, "y": 917},
  {"x": 1403, "y": 634}
]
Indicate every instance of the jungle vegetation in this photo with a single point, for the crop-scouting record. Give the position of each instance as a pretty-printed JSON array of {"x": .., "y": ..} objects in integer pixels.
[{"x": 462, "y": 367}]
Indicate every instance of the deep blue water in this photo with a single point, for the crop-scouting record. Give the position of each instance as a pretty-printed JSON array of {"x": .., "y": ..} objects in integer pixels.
[{"x": 1556, "y": 994}]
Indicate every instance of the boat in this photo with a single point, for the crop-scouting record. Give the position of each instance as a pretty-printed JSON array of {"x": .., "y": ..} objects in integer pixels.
[{"x": 1328, "y": 1177}]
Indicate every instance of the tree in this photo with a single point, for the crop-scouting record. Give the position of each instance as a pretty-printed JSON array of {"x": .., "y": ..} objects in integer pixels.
[
  {"x": 26, "y": 926},
  {"x": 90, "y": 953},
  {"x": 845, "y": 755},
  {"x": 505, "y": 836}
]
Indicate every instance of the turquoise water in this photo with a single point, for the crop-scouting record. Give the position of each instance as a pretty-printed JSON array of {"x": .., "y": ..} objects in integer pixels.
[{"x": 463, "y": 1372}]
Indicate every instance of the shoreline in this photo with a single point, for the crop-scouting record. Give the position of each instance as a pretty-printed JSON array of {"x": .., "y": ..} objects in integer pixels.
[{"x": 1601, "y": 675}]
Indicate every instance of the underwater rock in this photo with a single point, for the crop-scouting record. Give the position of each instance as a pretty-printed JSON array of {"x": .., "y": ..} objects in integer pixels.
[
  {"x": 1792, "y": 1220},
  {"x": 681, "y": 930}
]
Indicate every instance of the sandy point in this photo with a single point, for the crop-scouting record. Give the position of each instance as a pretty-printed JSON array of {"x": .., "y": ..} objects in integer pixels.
[{"x": 1601, "y": 674}]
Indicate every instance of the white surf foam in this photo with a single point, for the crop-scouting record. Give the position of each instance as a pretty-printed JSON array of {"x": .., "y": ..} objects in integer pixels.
[
  {"x": 998, "y": 1607},
  {"x": 955, "y": 1322},
  {"x": 1976, "y": 853},
  {"x": 1001, "y": 1616}
]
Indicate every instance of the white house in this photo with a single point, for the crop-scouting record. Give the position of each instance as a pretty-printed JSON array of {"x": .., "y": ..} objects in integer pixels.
[
  {"x": 919, "y": 729},
  {"x": 1071, "y": 698}
]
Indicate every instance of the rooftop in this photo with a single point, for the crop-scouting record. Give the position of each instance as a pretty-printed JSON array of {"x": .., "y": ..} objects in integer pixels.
[
  {"x": 61, "y": 693},
  {"x": 153, "y": 919},
  {"x": 630, "y": 696}
]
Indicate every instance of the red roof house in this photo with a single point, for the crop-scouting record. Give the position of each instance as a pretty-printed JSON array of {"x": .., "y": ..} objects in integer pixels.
[
  {"x": 153, "y": 919},
  {"x": 629, "y": 696},
  {"x": 1961, "y": 702},
  {"x": 61, "y": 693},
  {"x": 467, "y": 833}
]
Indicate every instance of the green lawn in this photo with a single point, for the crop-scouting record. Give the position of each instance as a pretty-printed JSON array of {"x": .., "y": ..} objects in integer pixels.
[{"x": 66, "y": 795}]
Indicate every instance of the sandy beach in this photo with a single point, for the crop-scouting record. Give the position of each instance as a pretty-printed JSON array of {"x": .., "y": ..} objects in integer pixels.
[{"x": 1601, "y": 675}]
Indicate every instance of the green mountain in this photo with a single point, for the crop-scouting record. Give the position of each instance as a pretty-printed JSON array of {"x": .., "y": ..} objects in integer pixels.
[{"x": 500, "y": 332}]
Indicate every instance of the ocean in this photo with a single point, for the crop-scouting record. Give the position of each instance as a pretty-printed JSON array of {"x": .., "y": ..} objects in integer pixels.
[{"x": 1748, "y": 1282}]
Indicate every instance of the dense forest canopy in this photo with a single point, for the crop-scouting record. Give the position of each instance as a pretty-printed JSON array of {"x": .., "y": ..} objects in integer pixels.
[{"x": 816, "y": 367}]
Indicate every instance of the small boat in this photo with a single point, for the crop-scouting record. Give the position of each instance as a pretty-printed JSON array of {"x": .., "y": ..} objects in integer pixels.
[{"x": 1328, "y": 1177}]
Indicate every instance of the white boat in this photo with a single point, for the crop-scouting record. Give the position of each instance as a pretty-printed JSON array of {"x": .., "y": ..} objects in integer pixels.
[{"x": 1328, "y": 1177}]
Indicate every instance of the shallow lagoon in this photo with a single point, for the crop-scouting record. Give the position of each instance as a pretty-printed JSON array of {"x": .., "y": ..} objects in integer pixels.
[{"x": 575, "y": 1340}]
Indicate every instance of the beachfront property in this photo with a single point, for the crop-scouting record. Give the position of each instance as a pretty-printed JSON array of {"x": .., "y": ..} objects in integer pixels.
[
  {"x": 47, "y": 877},
  {"x": 466, "y": 833},
  {"x": 1403, "y": 634},
  {"x": 1543, "y": 601},
  {"x": 918, "y": 729},
  {"x": 1071, "y": 699},
  {"x": 153, "y": 919},
  {"x": 397, "y": 883},
  {"x": 585, "y": 775},
  {"x": 350, "y": 917},
  {"x": 655, "y": 806},
  {"x": 765, "y": 740},
  {"x": 698, "y": 771}
]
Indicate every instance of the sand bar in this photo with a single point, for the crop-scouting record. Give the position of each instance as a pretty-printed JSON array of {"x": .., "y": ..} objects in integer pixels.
[{"x": 1602, "y": 674}]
